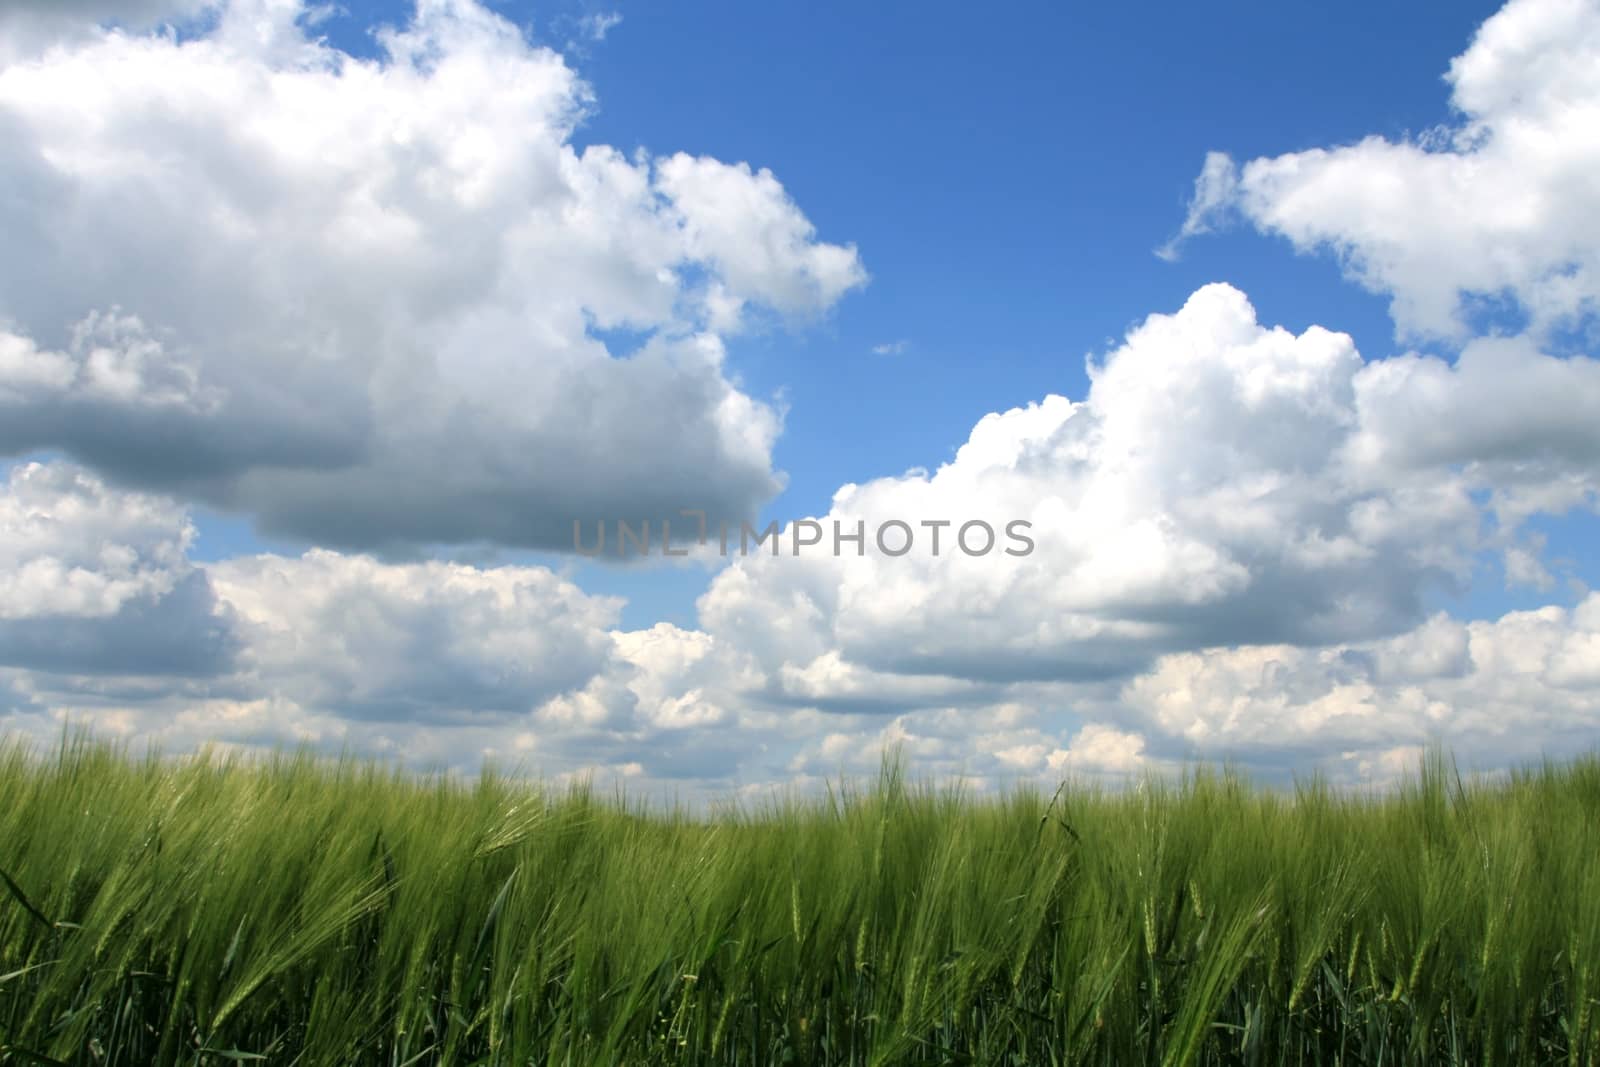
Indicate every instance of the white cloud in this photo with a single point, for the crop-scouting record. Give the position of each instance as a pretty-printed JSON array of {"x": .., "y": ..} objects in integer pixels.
[
  {"x": 596, "y": 26},
  {"x": 834, "y": 683},
  {"x": 1235, "y": 531},
  {"x": 111, "y": 366},
  {"x": 1200, "y": 495},
  {"x": 104, "y": 614},
  {"x": 28, "y": 27},
  {"x": 413, "y": 642},
  {"x": 444, "y": 663},
  {"x": 68, "y": 547},
  {"x": 1214, "y": 193},
  {"x": 1514, "y": 688},
  {"x": 1519, "y": 422},
  {"x": 1495, "y": 692},
  {"x": 683, "y": 678},
  {"x": 358, "y": 299},
  {"x": 744, "y": 226},
  {"x": 986, "y": 746},
  {"x": 106, "y": 619},
  {"x": 1100, "y": 748},
  {"x": 1503, "y": 204},
  {"x": 94, "y": 581}
]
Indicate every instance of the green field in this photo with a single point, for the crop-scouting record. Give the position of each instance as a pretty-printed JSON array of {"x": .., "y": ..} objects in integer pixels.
[{"x": 294, "y": 910}]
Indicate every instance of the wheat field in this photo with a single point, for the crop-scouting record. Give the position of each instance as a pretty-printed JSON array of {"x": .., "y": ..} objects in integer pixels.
[{"x": 295, "y": 909}]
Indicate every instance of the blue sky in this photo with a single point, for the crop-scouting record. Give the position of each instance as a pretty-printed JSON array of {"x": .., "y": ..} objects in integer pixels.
[{"x": 308, "y": 353}]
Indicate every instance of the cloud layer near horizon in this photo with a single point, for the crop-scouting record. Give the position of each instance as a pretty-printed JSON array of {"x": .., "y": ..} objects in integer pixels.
[{"x": 1234, "y": 543}]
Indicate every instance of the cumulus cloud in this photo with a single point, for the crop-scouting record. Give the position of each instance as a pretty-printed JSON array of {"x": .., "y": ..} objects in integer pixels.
[
  {"x": 1228, "y": 501},
  {"x": 104, "y": 613},
  {"x": 30, "y": 26},
  {"x": 681, "y": 679},
  {"x": 363, "y": 301},
  {"x": 1517, "y": 422},
  {"x": 95, "y": 581},
  {"x": 988, "y": 746},
  {"x": 1496, "y": 692},
  {"x": 1235, "y": 532},
  {"x": 443, "y": 663},
  {"x": 423, "y": 642},
  {"x": 1501, "y": 204},
  {"x": 107, "y": 620},
  {"x": 1100, "y": 748},
  {"x": 1202, "y": 494},
  {"x": 1514, "y": 688}
]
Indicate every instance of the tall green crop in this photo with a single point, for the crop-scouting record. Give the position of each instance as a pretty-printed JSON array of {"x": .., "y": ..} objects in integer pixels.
[{"x": 295, "y": 910}]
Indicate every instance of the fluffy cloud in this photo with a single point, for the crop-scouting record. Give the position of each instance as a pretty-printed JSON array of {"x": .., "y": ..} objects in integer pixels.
[
  {"x": 29, "y": 26},
  {"x": 1502, "y": 204},
  {"x": 1514, "y": 688},
  {"x": 1235, "y": 532},
  {"x": 96, "y": 582},
  {"x": 1496, "y": 692},
  {"x": 1516, "y": 422},
  {"x": 424, "y": 642},
  {"x": 1203, "y": 493},
  {"x": 444, "y": 663},
  {"x": 1222, "y": 483},
  {"x": 362, "y": 301},
  {"x": 105, "y": 619},
  {"x": 742, "y": 224},
  {"x": 104, "y": 613}
]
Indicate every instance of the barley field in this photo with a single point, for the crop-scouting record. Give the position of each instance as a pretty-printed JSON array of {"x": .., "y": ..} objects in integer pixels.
[{"x": 291, "y": 909}]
